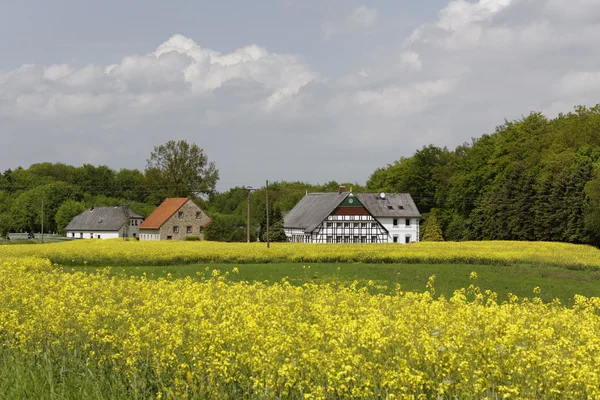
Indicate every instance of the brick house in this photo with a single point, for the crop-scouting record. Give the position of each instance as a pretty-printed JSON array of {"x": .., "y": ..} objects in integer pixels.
[{"x": 175, "y": 219}]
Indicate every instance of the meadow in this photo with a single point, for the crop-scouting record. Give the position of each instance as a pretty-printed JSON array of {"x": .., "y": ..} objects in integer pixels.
[{"x": 71, "y": 328}]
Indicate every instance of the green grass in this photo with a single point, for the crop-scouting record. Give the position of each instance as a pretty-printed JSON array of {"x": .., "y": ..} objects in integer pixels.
[
  {"x": 56, "y": 377},
  {"x": 520, "y": 279}
]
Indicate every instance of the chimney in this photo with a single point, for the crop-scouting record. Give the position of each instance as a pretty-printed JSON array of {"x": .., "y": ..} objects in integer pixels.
[{"x": 342, "y": 189}]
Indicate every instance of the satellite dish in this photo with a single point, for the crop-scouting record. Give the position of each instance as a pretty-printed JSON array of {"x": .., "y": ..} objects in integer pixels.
[{"x": 382, "y": 195}]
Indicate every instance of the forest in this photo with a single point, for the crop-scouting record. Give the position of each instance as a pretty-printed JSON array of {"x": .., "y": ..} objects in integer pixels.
[{"x": 535, "y": 179}]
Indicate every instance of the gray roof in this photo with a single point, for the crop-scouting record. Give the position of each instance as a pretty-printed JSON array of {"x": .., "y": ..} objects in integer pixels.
[
  {"x": 402, "y": 204},
  {"x": 101, "y": 219},
  {"x": 314, "y": 208}
]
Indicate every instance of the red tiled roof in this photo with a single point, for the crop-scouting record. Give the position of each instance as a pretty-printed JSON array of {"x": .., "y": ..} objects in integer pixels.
[{"x": 163, "y": 213}]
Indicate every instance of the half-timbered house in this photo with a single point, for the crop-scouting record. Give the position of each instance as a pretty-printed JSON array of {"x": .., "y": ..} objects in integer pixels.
[{"x": 346, "y": 217}]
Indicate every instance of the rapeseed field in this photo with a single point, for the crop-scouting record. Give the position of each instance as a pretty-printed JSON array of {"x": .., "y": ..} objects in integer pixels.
[
  {"x": 211, "y": 338},
  {"x": 119, "y": 253}
]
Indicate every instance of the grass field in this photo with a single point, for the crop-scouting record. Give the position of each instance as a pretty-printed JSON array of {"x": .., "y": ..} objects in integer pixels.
[{"x": 519, "y": 280}]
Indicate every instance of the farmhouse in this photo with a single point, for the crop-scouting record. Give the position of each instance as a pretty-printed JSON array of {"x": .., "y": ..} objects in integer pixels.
[
  {"x": 345, "y": 217},
  {"x": 175, "y": 219},
  {"x": 104, "y": 223}
]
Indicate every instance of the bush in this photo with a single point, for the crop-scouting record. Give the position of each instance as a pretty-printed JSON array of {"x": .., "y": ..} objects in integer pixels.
[{"x": 192, "y": 238}]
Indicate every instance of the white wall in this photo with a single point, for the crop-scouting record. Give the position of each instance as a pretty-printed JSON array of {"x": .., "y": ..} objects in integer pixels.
[
  {"x": 401, "y": 230},
  {"x": 149, "y": 234},
  {"x": 92, "y": 235}
]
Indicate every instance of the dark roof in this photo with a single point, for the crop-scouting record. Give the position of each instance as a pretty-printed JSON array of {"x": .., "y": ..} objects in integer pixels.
[
  {"x": 315, "y": 207},
  {"x": 312, "y": 210},
  {"x": 162, "y": 214},
  {"x": 402, "y": 204},
  {"x": 101, "y": 219}
]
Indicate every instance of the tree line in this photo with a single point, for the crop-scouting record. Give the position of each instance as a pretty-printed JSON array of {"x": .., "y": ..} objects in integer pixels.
[{"x": 530, "y": 179}]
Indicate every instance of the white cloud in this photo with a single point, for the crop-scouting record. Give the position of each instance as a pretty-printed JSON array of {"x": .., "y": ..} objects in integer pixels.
[
  {"x": 358, "y": 18},
  {"x": 262, "y": 114},
  {"x": 177, "y": 66}
]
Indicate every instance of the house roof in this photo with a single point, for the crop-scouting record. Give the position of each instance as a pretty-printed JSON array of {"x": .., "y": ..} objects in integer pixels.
[
  {"x": 101, "y": 219},
  {"x": 163, "y": 213},
  {"x": 392, "y": 205},
  {"x": 313, "y": 208}
]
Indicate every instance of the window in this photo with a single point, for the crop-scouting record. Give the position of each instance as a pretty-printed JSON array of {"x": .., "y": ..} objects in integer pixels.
[
  {"x": 363, "y": 239},
  {"x": 401, "y": 207},
  {"x": 338, "y": 239},
  {"x": 180, "y": 214},
  {"x": 356, "y": 225},
  {"x": 395, "y": 222},
  {"x": 169, "y": 237},
  {"x": 136, "y": 222},
  {"x": 134, "y": 235},
  {"x": 91, "y": 235},
  {"x": 408, "y": 222},
  {"x": 329, "y": 239},
  {"x": 395, "y": 238},
  {"x": 346, "y": 225},
  {"x": 346, "y": 239},
  {"x": 355, "y": 239},
  {"x": 98, "y": 236},
  {"x": 373, "y": 224},
  {"x": 363, "y": 225},
  {"x": 407, "y": 239},
  {"x": 390, "y": 207},
  {"x": 175, "y": 229},
  {"x": 72, "y": 234},
  {"x": 330, "y": 224},
  {"x": 373, "y": 239},
  {"x": 188, "y": 229},
  {"x": 201, "y": 229},
  {"x": 80, "y": 235},
  {"x": 339, "y": 225},
  {"x": 198, "y": 214}
]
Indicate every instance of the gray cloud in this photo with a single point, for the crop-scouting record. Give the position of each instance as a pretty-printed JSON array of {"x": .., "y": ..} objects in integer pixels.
[{"x": 265, "y": 115}]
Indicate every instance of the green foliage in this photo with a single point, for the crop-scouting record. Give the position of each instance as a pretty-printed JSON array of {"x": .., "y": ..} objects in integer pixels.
[
  {"x": 432, "y": 231},
  {"x": 192, "y": 238},
  {"x": 532, "y": 179},
  {"x": 181, "y": 169},
  {"x": 228, "y": 228},
  {"x": 66, "y": 212}
]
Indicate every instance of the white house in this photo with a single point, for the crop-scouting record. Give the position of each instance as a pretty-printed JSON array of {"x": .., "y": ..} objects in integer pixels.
[
  {"x": 353, "y": 218},
  {"x": 104, "y": 223}
]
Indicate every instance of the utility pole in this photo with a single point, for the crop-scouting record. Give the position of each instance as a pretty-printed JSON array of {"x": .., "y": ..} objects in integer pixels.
[
  {"x": 268, "y": 238},
  {"x": 249, "y": 189},
  {"x": 42, "y": 221}
]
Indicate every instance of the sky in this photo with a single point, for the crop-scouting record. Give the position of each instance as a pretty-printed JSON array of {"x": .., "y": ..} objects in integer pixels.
[{"x": 291, "y": 90}]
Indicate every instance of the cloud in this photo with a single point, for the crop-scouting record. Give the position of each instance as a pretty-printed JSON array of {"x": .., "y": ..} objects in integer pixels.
[
  {"x": 179, "y": 67},
  {"x": 261, "y": 114},
  {"x": 359, "y": 18}
]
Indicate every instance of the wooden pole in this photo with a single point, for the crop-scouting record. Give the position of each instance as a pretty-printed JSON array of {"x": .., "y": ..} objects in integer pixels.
[{"x": 268, "y": 238}]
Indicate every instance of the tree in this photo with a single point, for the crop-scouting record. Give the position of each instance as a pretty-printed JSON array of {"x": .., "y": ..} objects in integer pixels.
[
  {"x": 181, "y": 170},
  {"x": 66, "y": 212},
  {"x": 432, "y": 232}
]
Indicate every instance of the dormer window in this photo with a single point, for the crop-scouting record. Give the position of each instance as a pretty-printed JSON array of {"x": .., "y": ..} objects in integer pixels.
[
  {"x": 400, "y": 207},
  {"x": 390, "y": 207}
]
